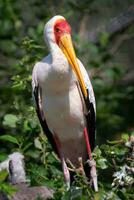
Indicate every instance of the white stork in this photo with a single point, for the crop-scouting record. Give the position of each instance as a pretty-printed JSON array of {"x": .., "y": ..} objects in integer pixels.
[{"x": 65, "y": 100}]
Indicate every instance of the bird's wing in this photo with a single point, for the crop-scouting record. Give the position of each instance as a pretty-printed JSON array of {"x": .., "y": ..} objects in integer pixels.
[
  {"x": 90, "y": 106},
  {"x": 37, "y": 94}
]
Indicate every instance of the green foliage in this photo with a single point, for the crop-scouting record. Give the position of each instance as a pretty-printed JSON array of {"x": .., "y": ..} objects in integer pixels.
[
  {"x": 9, "y": 138},
  {"x": 4, "y": 186},
  {"x": 100, "y": 160},
  {"x": 3, "y": 175}
]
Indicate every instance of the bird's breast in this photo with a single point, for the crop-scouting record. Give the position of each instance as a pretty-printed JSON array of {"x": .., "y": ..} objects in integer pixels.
[
  {"x": 64, "y": 113},
  {"x": 65, "y": 118}
]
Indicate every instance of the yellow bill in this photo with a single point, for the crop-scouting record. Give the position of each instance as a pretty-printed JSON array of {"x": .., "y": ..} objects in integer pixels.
[{"x": 67, "y": 48}]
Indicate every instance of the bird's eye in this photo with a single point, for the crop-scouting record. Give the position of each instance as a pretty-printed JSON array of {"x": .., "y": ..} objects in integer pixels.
[{"x": 57, "y": 30}]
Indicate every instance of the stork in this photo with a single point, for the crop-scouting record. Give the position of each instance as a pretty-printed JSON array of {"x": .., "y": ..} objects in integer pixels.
[{"x": 65, "y": 101}]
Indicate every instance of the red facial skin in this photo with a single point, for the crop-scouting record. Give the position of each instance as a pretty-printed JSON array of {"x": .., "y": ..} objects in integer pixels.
[{"x": 61, "y": 27}]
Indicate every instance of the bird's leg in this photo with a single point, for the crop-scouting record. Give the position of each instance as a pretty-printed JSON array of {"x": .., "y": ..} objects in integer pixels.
[
  {"x": 93, "y": 173},
  {"x": 91, "y": 161},
  {"x": 64, "y": 165},
  {"x": 66, "y": 173}
]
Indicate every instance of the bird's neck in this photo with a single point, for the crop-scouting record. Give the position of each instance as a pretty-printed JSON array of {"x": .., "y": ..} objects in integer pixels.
[
  {"x": 55, "y": 51},
  {"x": 61, "y": 73},
  {"x": 60, "y": 63}
]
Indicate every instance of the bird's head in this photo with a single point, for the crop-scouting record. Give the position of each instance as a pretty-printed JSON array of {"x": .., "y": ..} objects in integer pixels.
[{"x": 57, "y": 31}]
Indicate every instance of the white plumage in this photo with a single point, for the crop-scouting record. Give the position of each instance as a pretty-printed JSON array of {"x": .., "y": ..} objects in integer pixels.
[{"x": 61, "y": 101}]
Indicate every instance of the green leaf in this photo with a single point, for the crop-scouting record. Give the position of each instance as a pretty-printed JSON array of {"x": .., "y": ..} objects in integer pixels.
[
  {"x": 102, "y": 163},
  {"x": 37, "y": 143},
  {"x": 114, "y": 141},
  {"x": 3, "y": 175},
  {"x": 97, "y": 152},
  {"x": 26, "y": 147},
  {"x": 104, "y": 38},
  {"x": 3, "y": 156},
  {"x": 120, "y": 151},
  {"x": 74, "y": 194},
  {"x": 7, "y": 188},
  {"x": 33, "y": 154},
  {"x": 10, "y": 120},
  {"x": 66, "y": 196},
  {"x": 125, "y": 137},
  {"x": 9, "y": 138}
]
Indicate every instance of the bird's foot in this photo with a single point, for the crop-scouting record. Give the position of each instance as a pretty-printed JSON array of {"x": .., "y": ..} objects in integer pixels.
[
  {"x": 93, "y": 173},
  {"x": 72, "y": 168},
  {"x": 81, "y": 167}
]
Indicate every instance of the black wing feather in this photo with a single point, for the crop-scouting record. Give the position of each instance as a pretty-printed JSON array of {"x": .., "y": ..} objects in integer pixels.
[
  {"x": 43, "y": 122},
  {"x": 91, "y": 121}
]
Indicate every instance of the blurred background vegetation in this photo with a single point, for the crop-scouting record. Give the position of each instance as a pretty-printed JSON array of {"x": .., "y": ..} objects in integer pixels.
[{"x": 103, "y": 35}]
